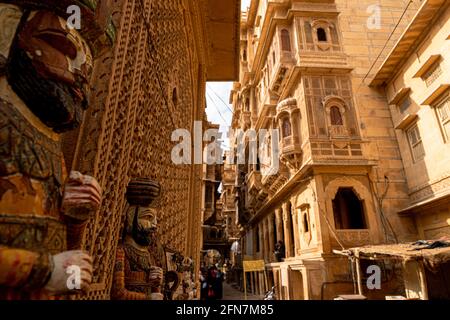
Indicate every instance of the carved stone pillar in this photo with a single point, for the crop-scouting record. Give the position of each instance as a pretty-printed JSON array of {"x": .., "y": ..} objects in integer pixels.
[
  {"x": 296, "y": 228},
  {"x": 279, "y": 223},
  {"x": 266, "y": 240},
  {"x": 271, "y": 236},
  {"x": 287, "y": 230},
  {"x": 260, "y": 240}
]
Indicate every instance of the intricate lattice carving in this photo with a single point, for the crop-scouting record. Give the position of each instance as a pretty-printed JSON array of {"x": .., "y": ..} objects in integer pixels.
[{"x": 127, "y": 131}]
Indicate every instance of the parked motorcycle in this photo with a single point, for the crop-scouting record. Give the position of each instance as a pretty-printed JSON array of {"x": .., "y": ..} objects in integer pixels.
[{"x": 270, "y": 295}]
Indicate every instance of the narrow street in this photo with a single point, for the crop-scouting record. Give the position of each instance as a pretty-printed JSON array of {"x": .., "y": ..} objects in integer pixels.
[
  {"x": 184, "y": 149},
  {"x": 230, "y": 293}
]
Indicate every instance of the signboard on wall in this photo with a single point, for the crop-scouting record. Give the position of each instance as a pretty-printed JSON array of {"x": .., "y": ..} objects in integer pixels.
[{"x": 254, "y": 266}]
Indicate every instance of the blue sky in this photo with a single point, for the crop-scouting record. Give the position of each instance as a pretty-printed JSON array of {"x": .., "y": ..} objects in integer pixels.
[
  {"x": 217, "y": 97},
  {"x": 245, "y": 4},
  {"x": 218, "y": 108}
]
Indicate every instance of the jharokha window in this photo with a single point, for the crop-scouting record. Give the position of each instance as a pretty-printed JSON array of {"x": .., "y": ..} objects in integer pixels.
[
  {"x": 336, "y": 117},
  {"x": 443, "y": 112},
  {"x": 318, "y": 35},
  {"x": 322, "y": 35},
  {"x": 348, "y": 210},
  {"x": 415, "y": 143},
  {"x": 285, "y": 40},
  {"x": 286, "y": 128}
]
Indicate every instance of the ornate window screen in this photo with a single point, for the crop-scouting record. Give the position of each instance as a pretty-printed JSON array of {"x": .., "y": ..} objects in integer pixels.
[
  {"x": 317, "y": 88},
  {"x": 415, "y": 143},
  {"x": 129, "y": 125},
  {"x": 335, "y": 116},
  {"x": 318, "y": 35},
  {"x": 432, "y": 75},
  {"x": 286, "y": 126},
  {"x": 285, "y": 40},
  {"x": 443, "y": 113}
]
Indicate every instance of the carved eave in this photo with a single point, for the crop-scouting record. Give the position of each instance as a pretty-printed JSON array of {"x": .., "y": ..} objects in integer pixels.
[
  {"x": 406, "y": 121},
  {"x": 267, "y": 112},
  {"x": 440, "y": 198},
  {"x": 223, "y": 33},
  {"x": 431, "y": 61},
  {"x": 324, "y": 8},
  {"x": 268, "y": 26},
  {"x": 409, "y": 40},
  {"x": 400, "y": 95},
  {"x": 436, "y": 94}
]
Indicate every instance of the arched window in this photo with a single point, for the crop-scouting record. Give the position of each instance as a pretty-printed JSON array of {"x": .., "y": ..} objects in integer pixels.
[
  {"x": 348, "y": 210},
  {"x": 321, "y": 35},
  {"x": 247, "y": 104},
  {"x": 336, "y": 117},
  {"x": 286, "y": 128},
  {"x": 285, "y": 40},
  {"x": 305, "y": 222},
  {"x": 244, "y": 55}
]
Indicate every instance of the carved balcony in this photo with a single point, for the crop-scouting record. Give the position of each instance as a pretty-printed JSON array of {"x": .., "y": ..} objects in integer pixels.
[
  {"x": 288, "y": 118},
  {"x": 247, "y": 119},
  {"x": 358, "y": 237},
  {"x": 338, "y": 132},
  {"x": 254, "y": 181},
  {"x": 279, "y": 182},
  {"x": 261, "y": 198},
  {"x": 290, "y": 145},
  {"x": 282, "y": 71},
  {"x": 269, "y": 177},
  {"x": 336, "y": 150},
  {"x": 229, "y": 177},
  {"x": 251, "y": 200}
]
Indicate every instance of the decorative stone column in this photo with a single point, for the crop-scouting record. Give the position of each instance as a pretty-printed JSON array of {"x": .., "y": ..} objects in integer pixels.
[
  {"x": 296, "y": 227},
  {"x": 287, "y": 230},
  {"x": 271, "y": 236},
  {"x": 279, "y": 223},
  {"x": 266, "y": 240},
  {"x": 261, "y": 241}
]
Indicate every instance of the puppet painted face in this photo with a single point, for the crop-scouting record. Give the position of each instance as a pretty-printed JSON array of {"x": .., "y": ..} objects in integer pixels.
[
  {"x": 50, "y": 66},
  {"x": 144, "y": 226}
]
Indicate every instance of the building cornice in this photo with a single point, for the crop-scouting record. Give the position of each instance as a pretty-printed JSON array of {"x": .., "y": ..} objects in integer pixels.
[
  {"x": 270, "y": 23},
  {"x": 223, "y": 25},
  {"x": 409, "y": 40}
]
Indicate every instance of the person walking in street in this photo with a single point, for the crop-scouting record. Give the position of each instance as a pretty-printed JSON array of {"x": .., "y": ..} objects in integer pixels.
[
  {"x": 204, "y": 284},
  {"x": 211, "y": 283},
  {"x": 279, "y": 252}
]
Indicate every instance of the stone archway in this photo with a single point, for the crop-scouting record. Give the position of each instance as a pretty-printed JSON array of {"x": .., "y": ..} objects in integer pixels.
[{"x": 371, "y": 232}]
